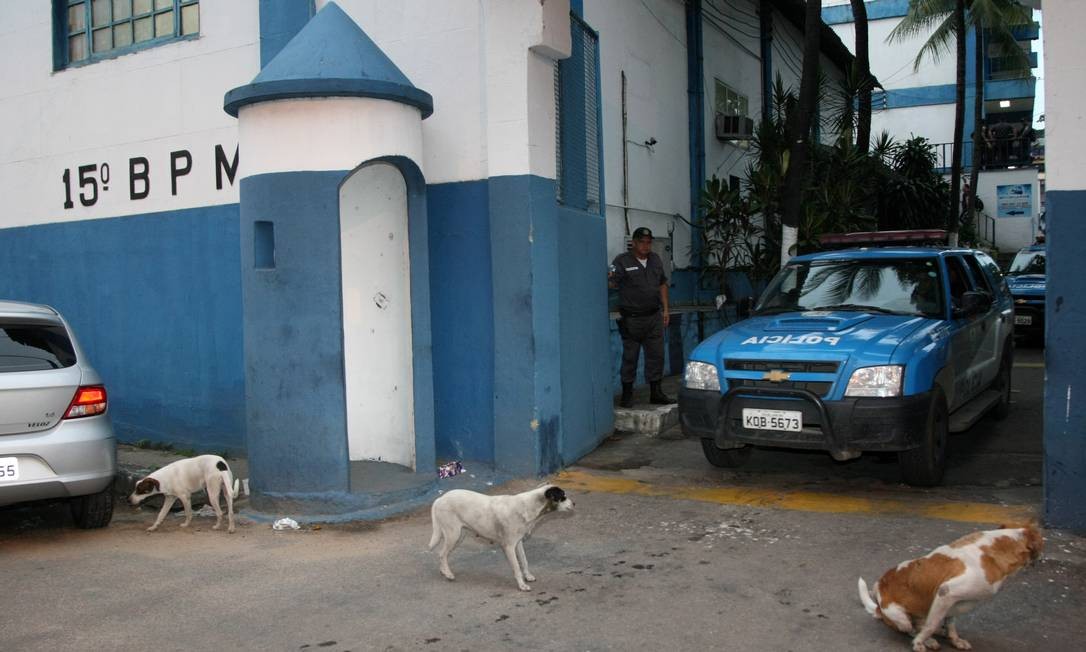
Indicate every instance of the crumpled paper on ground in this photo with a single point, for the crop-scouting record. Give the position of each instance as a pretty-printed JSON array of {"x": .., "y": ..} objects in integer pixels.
[{"x": 286, "y": 524}]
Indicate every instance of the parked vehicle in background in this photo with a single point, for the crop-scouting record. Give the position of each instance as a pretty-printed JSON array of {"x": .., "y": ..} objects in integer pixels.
[
  {"x": 1026, "y": 278},
  {"x": 56, "y": 438},
  {"x": 864, "y": 349}
]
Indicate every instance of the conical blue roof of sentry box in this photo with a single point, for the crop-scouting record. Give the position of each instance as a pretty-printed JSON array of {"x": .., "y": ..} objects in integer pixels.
[{"x": 330, "y": 56}]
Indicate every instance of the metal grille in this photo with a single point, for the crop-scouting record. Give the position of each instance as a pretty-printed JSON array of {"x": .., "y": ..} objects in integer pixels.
[
  {"x": 816, "y": 387},
  {"x": 577, "y": 128},
  {"x": 558, "y": 128},
  {"x": 790, "y": 366},
  {"x": 592, "y": 161}
]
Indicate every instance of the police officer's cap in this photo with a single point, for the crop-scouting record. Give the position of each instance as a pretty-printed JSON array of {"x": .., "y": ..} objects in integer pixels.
[{"x": 642, "y": 232}]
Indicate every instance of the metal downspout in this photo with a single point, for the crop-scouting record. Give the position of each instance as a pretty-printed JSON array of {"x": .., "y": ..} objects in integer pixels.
[
  {"x": 765, "y": 30},
  {"x": 695, "y": 80}
]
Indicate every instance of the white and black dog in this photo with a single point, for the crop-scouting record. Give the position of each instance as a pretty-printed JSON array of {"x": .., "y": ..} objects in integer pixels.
[
  {"x": 180, "y": 479},
  {"x": 503, "y": 520}
]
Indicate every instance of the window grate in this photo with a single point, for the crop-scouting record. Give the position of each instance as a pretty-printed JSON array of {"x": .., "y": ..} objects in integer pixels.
[
  {"x": 577, "y": 128},
  {"x": 592, "y": 160},
  {"x": 558, "y": 129}
]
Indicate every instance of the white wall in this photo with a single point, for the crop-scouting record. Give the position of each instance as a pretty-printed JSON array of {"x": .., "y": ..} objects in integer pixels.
[
  {"x": 787, "y": 62},
  {"x": 934, "y": 122},
  {"x": 146, "y": 104},
  {"x": 648, "y": 42},
  {"x": 488, "y": 65},
  {"x": 893, "y": 62},
  {"x": 1012, "y": 233},
  {"x": 1065, "y": 95},
  {"x": 732, "y": 54}
]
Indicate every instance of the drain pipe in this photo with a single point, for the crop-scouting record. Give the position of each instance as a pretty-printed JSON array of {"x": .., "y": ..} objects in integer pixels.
[
  {"x": 625, "y": 163},
  {"x": 695, "y": 89}
]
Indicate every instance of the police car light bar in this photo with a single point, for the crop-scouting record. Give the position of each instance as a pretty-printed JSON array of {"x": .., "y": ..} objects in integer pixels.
[{"x": 883, "y": 238}]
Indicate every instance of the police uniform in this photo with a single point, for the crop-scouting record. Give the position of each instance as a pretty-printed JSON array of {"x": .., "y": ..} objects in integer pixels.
[{"x": 641, "y": 323}]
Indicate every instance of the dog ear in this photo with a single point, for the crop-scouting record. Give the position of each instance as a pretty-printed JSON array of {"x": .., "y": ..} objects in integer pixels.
[
  {"x": 146, "y": 486},
  {"x": 555, "y": 494}
]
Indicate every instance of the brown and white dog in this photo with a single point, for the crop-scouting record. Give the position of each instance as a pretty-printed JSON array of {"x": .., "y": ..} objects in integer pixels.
[
  {"x": 180, "y": 479},
  {"x": 919, "y": 594},
  {"x": 504, "y": 520}
]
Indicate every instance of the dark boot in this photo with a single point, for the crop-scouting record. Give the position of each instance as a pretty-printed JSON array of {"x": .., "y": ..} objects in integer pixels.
[
  {"x": 627, "y": 395},
  {"x": 657, "y": 396}
]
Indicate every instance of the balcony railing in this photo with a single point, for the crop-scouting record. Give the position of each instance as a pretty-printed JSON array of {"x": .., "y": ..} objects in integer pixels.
[{"x": 997, "y": 153}]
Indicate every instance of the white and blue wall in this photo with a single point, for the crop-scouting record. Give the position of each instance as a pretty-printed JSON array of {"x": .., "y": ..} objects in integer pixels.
[
  {"x": 1065, "y": 156},
  {"x": 161, "y": 272},
  {"x": 210, "y": 266},
  {"x": 120, "y": 182}
]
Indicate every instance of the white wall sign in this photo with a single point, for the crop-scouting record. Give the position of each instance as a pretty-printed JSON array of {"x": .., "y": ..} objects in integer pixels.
[{"x": 1014, "y": 200}]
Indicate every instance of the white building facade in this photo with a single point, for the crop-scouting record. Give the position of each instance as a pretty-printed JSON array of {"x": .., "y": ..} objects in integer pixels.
[{"x": 365, "y": 232}]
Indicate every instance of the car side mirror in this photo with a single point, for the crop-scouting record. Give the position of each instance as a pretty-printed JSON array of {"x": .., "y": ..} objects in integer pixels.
[{"x": 975, "y": 303}]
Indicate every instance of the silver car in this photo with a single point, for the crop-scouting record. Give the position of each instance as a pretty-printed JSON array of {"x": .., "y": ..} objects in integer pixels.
[{"x": 56, "y": 437}]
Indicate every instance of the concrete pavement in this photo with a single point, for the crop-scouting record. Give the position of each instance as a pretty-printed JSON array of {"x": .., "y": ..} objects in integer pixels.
[{"x": 664, "y": 552}]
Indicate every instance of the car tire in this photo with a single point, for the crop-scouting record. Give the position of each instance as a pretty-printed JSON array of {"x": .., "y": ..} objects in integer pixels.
[
  {"x": 924, "y": 466},
  {"x": 94, "y": 510},
  {"x": 725, "y": 458},
  {"x": 1003, "y": 385}
]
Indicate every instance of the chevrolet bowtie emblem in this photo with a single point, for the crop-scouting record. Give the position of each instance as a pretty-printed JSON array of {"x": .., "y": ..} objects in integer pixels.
[{"x": 776, "y": 376}]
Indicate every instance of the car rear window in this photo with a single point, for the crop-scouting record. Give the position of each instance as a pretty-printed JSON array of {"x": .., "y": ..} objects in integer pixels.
[{"x": 34, "y": 346}]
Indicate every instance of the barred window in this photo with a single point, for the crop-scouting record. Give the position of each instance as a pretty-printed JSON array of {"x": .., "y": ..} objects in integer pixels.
[{"x": 90, "y": 30}]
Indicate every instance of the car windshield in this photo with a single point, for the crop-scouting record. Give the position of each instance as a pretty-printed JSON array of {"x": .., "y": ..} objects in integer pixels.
[
  {"x": 900, "y": 286},
  {"x": 1028, "y": 262}
]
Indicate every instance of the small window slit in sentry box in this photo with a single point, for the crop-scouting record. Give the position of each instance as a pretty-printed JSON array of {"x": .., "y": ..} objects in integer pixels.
[{"x": 263, "y": 245}]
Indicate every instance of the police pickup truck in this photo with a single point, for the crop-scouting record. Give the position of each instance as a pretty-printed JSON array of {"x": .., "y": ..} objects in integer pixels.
[{"x": 885, "y": 348}]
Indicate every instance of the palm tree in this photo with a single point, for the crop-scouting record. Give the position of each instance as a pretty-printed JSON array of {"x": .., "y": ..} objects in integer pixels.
[
  {"x": 947, "y": 20},
  {"x": 799, "y": 130},
  {"x": 862, "y": 67}
]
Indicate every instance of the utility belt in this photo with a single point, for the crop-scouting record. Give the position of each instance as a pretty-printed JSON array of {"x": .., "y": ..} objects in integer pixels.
[{"x": 638, "y": 312}]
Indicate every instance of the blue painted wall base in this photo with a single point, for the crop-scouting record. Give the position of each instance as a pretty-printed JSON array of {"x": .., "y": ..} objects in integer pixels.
[
  {"x": 1065, "y": 319},
  {"x": 155, "y": 301}
]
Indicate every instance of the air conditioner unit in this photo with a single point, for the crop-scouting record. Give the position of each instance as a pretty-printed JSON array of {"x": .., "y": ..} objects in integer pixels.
[{"x": 733, "y": 127}]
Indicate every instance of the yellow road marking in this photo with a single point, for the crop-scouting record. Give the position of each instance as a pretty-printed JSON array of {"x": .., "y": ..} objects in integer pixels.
[
  {"x": 1030, "y": 365},
  {"x": 803, "y": 501}
]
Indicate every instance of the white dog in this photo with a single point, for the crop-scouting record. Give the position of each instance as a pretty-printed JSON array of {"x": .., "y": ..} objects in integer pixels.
[
  {"x": 180, "y": 479},
  {"x": 503, "y": 520}
]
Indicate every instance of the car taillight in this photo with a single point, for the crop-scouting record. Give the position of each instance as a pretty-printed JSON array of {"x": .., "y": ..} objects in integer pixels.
[{"x": 88, "y": 401}]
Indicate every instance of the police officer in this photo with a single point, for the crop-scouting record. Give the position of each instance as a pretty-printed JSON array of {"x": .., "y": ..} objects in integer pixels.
[{"x": 642, "y": 291}]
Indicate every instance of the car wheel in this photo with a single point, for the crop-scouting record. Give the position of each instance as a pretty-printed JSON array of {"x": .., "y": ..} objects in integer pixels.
[
  {"x": 1003, "y": 385},
  {"x": 94, "y": 510},
  {"x": 725, "y": 458},
  {"x": 923, "y": 466}
]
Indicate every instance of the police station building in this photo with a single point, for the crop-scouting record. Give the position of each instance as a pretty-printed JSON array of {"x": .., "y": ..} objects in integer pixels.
[{"x": 354, "y": 238}]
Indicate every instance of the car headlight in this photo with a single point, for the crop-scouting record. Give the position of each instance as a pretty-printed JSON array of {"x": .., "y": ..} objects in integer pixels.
[
  {"x": 701, "y": 375},
  {"x": 876, "y": 381}
]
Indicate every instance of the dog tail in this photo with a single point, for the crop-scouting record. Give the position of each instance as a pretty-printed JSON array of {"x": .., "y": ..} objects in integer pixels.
[
  {"x": 229, "y": 482},
  {"x": 865, "y": 597},
  {"x": 435, "y": 538}
]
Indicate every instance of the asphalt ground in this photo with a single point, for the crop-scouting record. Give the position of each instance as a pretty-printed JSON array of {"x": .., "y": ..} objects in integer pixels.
[{"x": 663, "y": 552}]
